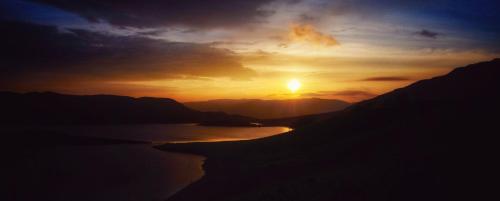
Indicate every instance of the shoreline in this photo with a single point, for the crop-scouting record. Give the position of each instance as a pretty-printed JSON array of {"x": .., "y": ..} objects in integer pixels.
[
  {"x": 203, "y": 171},
  {"x": 225, "y": 173}
]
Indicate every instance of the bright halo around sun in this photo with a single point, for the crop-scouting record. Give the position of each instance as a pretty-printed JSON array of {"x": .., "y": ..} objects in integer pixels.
[{"x": 293, "y": 85}]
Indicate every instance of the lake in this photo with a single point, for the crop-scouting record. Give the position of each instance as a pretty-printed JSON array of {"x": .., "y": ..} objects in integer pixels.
[{"x": 125, "y": 171}]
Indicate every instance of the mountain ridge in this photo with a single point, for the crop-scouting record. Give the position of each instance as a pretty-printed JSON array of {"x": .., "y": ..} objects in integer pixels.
[{"x": 270, "y": 109}]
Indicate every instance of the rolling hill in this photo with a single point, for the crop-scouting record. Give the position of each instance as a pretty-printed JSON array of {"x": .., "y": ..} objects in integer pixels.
[{"x": 54, "y": 108}]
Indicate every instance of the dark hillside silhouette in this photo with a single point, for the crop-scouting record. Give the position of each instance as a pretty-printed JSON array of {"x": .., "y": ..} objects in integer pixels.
[
  {"x": 432, "y": 140},
  {"x": 54, "y": 108}
]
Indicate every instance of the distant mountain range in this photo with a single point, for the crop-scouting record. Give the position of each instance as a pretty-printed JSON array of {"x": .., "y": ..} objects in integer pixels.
[
  {"x": 54, "y": 108},
  {"x": 269, "y": 109},
  {"x": 433, "y": 140}
]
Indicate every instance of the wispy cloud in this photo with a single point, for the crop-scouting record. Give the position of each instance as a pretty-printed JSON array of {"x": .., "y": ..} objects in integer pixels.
[
  {"x": 347, "y": 95},
  {"x": 386, "y": 79}
]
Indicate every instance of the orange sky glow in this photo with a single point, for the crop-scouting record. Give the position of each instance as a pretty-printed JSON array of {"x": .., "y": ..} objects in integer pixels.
[{"x": 351, "y": 55}]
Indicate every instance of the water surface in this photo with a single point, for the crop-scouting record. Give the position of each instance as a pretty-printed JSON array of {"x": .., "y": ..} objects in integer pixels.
[
  {"x": 159, "y": 133},
  {"x": 121, "y": 172}
]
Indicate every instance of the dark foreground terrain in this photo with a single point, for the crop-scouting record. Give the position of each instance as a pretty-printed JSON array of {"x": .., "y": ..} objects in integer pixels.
[
  {"x": 432, "y": 140},
  {"x": 22, "y": 165}
]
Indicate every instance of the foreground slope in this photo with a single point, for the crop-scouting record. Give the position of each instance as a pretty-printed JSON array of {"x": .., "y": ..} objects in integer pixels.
[
  {"x": 432, "y": 140},
  {"x": 269, "y": 109}
]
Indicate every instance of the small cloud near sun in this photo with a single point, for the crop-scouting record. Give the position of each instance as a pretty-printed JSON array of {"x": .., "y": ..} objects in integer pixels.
[{"x": 306, "y": 33}]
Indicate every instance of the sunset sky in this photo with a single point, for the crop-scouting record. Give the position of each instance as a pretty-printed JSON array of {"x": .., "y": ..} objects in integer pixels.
[{"x": 210, "y": 49}]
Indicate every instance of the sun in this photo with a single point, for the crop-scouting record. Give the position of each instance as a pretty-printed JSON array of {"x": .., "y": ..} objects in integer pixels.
[{"x": 293, "y": 85}]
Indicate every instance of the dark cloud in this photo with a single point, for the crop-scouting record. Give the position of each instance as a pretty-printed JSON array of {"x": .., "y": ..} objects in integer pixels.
[
  {"x": 45, "y": 52},
  {"x": 306, "y": 18},
  {"x": 153, "y": 13},
  {"x": 386, "y": 79},
  {"x": 347, "y": 95},
  {"x": 428, "y": 34}
]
